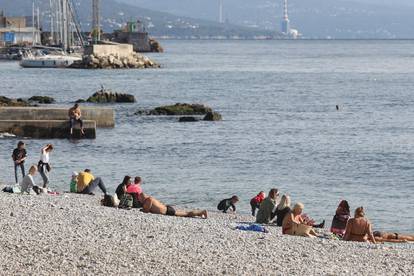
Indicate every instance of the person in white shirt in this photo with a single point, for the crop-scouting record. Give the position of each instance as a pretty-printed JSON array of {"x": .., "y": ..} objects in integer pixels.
[{"x": 44, "y": 166}]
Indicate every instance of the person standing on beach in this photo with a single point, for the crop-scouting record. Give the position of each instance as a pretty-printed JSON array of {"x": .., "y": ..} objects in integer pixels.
[
  {"x": 267, "y": 207},
  {"x": 75, "y": 115},
  {"x": 87, "y": 183},
  {"x": 153, "y": 206},
  {"x": 228, "y": 203},
  {"x": 19, "y": 156},
  {"x": 43, "y": 165},
  {"x": 255, "y": 202}
]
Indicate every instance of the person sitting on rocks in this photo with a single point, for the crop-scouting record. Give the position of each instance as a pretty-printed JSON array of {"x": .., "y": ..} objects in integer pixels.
[
  {"x": 341, "y": 218},
  {"x": 359, "y": 228},
  {"x": 28, "y": 184},
  {"x": 75, "y": 115},
  {"x": 153, "y": 206},
  {"x": 87, "y": 183},
  {"x": 228, "y": 203},
  {"x": 255, "y": 202},
  {"x": 293, "y": 223},
  {"x": 267, "y": 207},
  {"x": 392, "y": 237},
  {"x": 282, "y": 209}
]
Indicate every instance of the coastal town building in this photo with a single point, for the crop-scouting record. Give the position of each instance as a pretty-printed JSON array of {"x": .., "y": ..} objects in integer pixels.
[{"x": 16, "y": 30}]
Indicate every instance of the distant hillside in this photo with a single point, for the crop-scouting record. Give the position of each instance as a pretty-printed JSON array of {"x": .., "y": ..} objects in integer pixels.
[
  {"x": 313, "y": 18},
  {"x": 115, "y": 14}
]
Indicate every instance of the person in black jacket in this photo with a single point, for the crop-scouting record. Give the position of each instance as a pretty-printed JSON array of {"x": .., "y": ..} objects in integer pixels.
[
  {"x": 228, "y": 203},
  {"x": 19, "y": 156}
]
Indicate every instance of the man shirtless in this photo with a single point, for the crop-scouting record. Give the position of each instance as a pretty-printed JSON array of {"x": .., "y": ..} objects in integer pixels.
[
  {"x": 75, "y": 115},
  {"x": 153, "y": 206}
]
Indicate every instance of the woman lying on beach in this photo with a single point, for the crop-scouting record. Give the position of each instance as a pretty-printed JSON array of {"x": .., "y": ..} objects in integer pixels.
[
  {"x": 392, "y": 237},
  {"x": 359, "y": 228},
  {"x": 153, "y": 206},
  {"x": 293, "y": 223},
  {"x": 341, "y": 218}
]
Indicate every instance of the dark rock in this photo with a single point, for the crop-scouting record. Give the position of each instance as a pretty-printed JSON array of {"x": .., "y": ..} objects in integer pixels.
[
  {"x": 104, "y": 96},
  {"x": 80, "y": 101},
  {"x": 181, "y": 110},
  {"x": 188, "y": 119},
  {"x": 42, "y": 99},
  {"x": 155, "y": 46},
  {"x": 4, "y": 101},
  {"x": 213, "y": 116}
]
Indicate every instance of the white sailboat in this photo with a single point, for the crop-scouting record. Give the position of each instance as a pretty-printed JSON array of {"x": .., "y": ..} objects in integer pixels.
[
  {"x": 63, "y": 14},
  {"x": 48, "y": 61}
]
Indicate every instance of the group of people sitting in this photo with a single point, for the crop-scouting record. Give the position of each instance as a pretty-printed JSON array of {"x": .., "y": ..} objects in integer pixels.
[
  {"x": 129, "y": 194},
  {"x": 294, "y": 222}
]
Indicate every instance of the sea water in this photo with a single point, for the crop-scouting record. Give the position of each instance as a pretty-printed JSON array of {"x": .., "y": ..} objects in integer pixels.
[{"x": 280, "y": 129}]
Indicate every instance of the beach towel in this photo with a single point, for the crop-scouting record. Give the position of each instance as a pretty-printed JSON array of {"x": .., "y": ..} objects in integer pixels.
[{"x": 252, "y": 227}]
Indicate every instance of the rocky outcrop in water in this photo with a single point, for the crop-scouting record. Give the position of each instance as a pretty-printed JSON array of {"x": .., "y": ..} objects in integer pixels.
[
  {"x": 213, "y": 116},
  {"x": 107, "y": 96},
  {"x": 42, "y": 99},
  {"x": 133, "y": 61},
  {"x": 179, "y": 109},
  {"x": 9, "y": 102},
  {"x": 155, "y": 46},
  {"x": 187, "y": 119}
]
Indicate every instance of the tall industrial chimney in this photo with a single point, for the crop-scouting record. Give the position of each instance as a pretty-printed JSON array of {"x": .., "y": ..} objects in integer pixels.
[
  {"x": 285, "y": 20},
  {"x": 221, "y": 20}
]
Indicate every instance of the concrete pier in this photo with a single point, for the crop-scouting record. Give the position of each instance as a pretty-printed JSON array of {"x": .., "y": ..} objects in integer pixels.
[
  {"x": 104, "y": 117},
  {"x": 47, "y": 129}
]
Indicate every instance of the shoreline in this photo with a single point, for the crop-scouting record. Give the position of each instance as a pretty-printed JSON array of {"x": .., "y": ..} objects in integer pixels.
[{"x": 73, "y": 234}]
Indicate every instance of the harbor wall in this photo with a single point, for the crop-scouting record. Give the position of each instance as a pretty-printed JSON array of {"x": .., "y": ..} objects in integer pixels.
[
  {"x": 47, "y": 129},
  {"x": 104, "y": 117},
  {"x": 121, "y": 50}
]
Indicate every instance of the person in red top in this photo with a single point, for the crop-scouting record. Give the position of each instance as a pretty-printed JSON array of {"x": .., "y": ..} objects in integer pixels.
[
  {"x": 135, "y": 188},
  {"x": 255, "y": 202}
]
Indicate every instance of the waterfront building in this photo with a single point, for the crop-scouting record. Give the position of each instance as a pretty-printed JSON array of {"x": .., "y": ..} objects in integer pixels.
[{"x": 14, "y": 30}]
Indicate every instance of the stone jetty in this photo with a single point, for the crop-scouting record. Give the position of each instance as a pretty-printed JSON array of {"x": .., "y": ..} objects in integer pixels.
[
  {"x": 118, "y": 56},
  {"x": 42, "y": 122}
]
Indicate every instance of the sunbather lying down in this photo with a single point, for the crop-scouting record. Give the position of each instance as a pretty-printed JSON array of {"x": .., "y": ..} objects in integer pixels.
[
  {"x": 392, "y": 237},
  {"x": 152, "y": 205}
]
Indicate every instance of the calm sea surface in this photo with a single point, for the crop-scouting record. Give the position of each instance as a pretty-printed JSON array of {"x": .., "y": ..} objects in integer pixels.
[{"x": 280, "y": 128}]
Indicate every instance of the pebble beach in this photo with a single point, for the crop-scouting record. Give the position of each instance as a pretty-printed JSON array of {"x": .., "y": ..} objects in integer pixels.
[{"x": 71, "y": 234}]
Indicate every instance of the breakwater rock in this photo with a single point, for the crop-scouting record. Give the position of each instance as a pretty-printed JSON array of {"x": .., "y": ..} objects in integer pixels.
[{"x": 132, "y": 61}]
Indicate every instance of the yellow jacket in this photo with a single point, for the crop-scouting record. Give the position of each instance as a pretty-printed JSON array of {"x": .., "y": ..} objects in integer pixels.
[{"x": 84, "y": 179}]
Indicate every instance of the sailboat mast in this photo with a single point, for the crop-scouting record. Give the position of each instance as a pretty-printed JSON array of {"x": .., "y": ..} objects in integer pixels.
[{"x": 33, "y": 23}]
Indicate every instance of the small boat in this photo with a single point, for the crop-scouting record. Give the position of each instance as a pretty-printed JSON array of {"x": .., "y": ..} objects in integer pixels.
[{"x": 48, "y": 61}]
